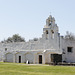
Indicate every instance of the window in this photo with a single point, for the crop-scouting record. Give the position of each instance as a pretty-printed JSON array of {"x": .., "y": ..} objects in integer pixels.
[
  {"x": 49, "y": 24},
  {"x": 69, "y": 49},
  {"x": 5, "y": 49},
  {"x": 52, "y": 34},
  {"x": 46, "y": 34},
  {"x": 46, "y": 31}
]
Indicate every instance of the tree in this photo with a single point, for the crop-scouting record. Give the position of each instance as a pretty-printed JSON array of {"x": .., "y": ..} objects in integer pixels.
[
  {"x": 15, "y": 38},
  {"x": 35, "y": 39},
  {"x": 9, "y": 39},
  {"x": 69, "y": 36}
]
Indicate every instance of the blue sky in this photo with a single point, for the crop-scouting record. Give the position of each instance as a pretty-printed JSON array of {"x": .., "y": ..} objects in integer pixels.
[{"x": 28, "y": 17}]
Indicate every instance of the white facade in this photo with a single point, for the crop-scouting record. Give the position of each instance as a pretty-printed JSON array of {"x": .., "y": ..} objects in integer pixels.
[{"x": 50, "y": 48}]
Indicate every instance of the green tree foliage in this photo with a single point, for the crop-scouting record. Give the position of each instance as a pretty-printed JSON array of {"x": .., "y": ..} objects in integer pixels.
[
  {"x": 35, "y": 39},
  {"x": 15, "y": 38}
]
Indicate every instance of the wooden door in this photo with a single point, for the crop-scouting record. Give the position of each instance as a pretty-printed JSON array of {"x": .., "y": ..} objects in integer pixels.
[
  {"x": 19, "y": 59},
  {"x": 40, "y": 59}
]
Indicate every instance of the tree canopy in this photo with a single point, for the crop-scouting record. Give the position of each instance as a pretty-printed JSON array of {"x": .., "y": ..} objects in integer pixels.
[
  {"x": 14, "y": 38},
  {"x": 69, "y": 36}
]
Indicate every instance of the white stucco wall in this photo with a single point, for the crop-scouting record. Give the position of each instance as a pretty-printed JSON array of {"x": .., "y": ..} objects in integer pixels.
[
  {"x": 69, "y": 56},
  {"x": 9, "y": 57}
]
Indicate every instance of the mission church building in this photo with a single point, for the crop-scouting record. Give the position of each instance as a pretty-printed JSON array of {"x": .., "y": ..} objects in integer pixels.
[{"x": 51, "y": 47}]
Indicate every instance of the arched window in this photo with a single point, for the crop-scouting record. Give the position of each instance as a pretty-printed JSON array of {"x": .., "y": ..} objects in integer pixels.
[
  {"x": 47, "y": 34},
  {"x": 46, "y": 31},
  {"x": 52, "y": 34}
]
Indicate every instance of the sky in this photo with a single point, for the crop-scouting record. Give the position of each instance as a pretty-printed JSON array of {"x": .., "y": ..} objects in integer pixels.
[{"x": 28, "y": 17}]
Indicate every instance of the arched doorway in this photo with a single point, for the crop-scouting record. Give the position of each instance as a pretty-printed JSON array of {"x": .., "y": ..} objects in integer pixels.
[
  {"x": 40, "y": 59},
  {"x": 19, "y": 59}
]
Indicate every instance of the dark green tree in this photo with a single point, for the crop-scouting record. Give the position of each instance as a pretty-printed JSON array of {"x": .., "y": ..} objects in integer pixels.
[
  {"x": 14, "y": 38},
  {"x": 17, "y": 38}
]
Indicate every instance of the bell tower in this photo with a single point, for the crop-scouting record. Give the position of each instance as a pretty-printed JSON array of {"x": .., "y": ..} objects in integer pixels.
[
  {"x": 50, "y": 30},
  {"x": 51, "y": 36}
]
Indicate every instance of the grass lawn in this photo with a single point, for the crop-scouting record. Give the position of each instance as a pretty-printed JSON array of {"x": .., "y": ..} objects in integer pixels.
[{"x": 21, "y": 69}]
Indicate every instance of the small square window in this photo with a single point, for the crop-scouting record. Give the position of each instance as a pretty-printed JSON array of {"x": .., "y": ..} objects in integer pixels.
[
  {"x": 5, "y": 49},
  {"x": 69, "y": 49}
]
